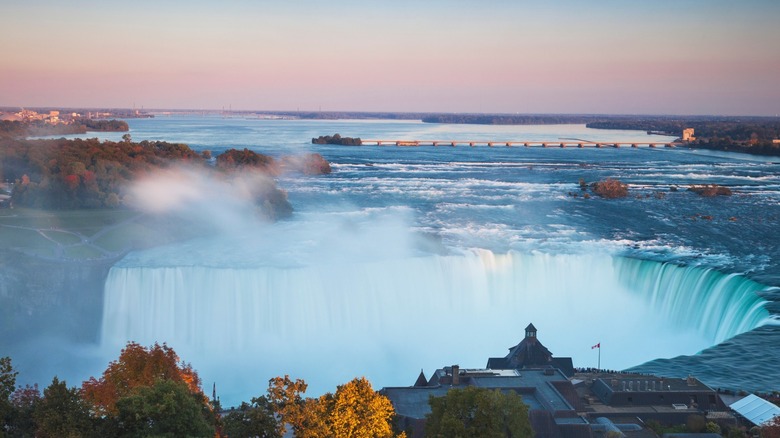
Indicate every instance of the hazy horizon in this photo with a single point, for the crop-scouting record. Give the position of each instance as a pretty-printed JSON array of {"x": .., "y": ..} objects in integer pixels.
[{"x": 690, "y": 57}]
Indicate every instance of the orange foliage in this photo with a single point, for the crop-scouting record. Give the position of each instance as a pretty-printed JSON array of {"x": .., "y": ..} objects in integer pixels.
[
  {"x": 610, "y": 188},
  {"x": 771, "y": 429},
  {"x": 137, "y": 367},
  {"x": 355, "y": 410}
]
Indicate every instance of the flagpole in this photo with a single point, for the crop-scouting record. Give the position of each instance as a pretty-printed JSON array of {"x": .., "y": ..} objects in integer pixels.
[{"x": 599, "y": 356}]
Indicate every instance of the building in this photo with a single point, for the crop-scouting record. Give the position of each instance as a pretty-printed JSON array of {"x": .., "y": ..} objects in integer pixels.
[
  {"x": 528, "y": 369},
  {"x": 530, "y": 353},
  {"x": 552, "y": 400},
  {"x": 562, "y": 403},
  {"x": 687, "y": 135},
  {"x": 623, "y": 397}
]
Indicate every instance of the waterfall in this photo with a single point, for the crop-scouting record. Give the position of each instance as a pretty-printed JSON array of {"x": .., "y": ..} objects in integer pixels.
[
  {"x": 390, "y": 317},
  {"x": 721, "y": 304}
]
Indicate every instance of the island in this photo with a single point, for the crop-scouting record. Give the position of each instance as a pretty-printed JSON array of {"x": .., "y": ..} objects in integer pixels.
[{"x": 337, "y": 139}]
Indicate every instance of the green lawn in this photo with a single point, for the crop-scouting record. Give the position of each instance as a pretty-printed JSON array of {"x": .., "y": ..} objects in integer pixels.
[{"x": 51, "y": 233}]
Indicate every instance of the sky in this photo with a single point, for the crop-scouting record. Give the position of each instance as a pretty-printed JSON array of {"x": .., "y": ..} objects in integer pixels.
[{"x": 496, "y": 56}]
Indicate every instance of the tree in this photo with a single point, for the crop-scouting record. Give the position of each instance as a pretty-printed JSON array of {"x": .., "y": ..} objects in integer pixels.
[
  {"x": 286, "y": 397},
  {"x": 479, "y": 413},
  {"x": 7, "y": 387},
  {"x": 610, "y": 188},
  {"x": 166, "y": 408},
  {"x": 138, "y": 367},
  {"x": 771, "y": 429},
  {"x": 62, "y": 412},
  {"x": 355, "y": 410},
  {"x": 251, "y": 420},
  {"x": 24, "y": 401}
]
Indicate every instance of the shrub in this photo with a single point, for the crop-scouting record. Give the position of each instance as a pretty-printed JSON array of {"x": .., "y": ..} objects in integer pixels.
[{"x": 610, "y": 188}]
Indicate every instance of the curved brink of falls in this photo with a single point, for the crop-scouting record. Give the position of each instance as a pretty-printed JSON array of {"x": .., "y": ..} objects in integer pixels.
[
  {"x": 718, "y": 304},
  {"x": 236, "y": 307},
  {"x": 386, "y": 319}
]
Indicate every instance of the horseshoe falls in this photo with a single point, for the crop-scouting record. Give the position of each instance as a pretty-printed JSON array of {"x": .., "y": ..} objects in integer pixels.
[{"x": 409, "y": 258}]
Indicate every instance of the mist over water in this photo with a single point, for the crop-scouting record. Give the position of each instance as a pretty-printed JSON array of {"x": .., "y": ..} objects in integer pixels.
[
  {"x": 360, "y": 298},
  {"x": 409, "y": 258}
]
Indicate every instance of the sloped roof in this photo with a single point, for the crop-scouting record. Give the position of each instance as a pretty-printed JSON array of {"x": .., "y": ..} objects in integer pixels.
[
  {"x": 757, "y": 410},
  {"x": 528, "y": 352},
  {"x": 421, "y": 380}
]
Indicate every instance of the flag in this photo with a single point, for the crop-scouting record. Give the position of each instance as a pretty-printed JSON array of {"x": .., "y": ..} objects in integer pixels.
[{"x": 596, "y": 346}]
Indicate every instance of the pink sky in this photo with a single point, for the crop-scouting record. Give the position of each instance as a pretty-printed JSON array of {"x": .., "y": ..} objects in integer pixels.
[{"x": 681, "y": 56}]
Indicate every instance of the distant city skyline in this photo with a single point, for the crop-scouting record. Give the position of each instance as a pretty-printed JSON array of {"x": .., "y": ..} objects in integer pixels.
[{"x": 661, "y": 57}]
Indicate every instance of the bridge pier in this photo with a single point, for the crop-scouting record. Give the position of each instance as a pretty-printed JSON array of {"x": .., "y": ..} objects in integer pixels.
[{"x": 633, "y": 145}]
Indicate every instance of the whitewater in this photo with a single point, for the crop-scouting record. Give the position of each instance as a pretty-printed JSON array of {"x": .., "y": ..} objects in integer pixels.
[{"x": 410, "y": 258}]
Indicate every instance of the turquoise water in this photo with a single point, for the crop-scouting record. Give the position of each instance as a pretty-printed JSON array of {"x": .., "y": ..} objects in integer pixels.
[{"x": 405, "y": 258}]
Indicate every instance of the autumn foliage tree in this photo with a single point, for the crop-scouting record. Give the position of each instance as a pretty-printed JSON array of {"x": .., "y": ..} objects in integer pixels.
[
  {"x": 771, "y": 429},
  {"x": 610, "y": 188},
  {"x": 354, "y": 410},
  {"x": 138, "y": 367}
]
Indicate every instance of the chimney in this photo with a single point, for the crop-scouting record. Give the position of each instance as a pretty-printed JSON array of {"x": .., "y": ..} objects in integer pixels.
[{"x": 455, "y": 375}]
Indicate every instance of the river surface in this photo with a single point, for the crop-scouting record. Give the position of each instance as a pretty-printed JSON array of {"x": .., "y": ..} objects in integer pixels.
[{"x": 406, "y": 258}]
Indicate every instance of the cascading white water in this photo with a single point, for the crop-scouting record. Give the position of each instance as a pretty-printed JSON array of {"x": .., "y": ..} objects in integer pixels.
[
  {"x": 331, "y": 321},
  {"x": 720, "y": 305}
]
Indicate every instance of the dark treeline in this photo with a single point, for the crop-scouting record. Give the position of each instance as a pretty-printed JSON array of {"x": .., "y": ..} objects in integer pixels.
[
  {"x": 16, "y": 129},
  {"x": 509, "y": 119},
  {"x": 150, "y": 391},
  {"x": 750, "y": 135},
  {"x": 62, "y": 173},
  {"x": 733, "y": 128},
  {"x": 337, "y": 139},
  {"x": 67, "y": 174}
]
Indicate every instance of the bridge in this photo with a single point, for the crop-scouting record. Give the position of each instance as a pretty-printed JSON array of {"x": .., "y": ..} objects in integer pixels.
[{"x": 517, "y": 143}]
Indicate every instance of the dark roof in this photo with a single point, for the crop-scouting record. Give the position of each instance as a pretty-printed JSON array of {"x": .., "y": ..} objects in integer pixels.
[
  {"x": 530, "y": 328},
  {"x": 564, "y": 364},
  {"x": 528, "y": 352},
  {"x": 421, "y": 380}
]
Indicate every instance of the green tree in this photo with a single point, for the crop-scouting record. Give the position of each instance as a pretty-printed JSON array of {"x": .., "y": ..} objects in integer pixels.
[
  {"x": 251, "y": 420},
  {"x": 62, "y": 412},
  {"x": 166, "y": 409},
  {"x": 7, "y": 387},
  {"x": 478, "y": 413}
]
